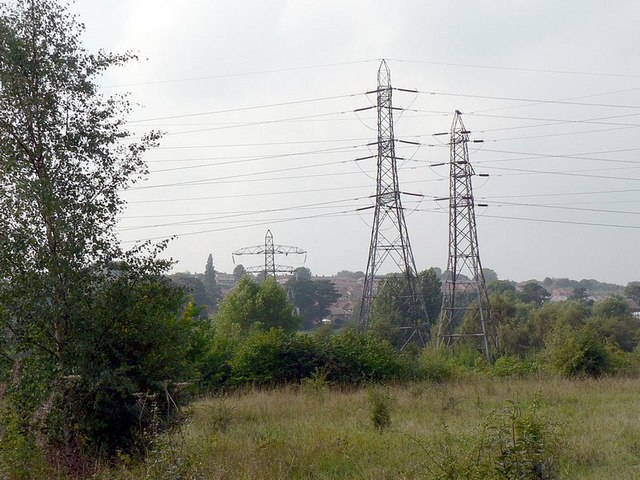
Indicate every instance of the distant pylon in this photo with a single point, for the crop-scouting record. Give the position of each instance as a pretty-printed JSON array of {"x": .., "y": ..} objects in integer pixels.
[
  {"x": 389, "y": 237},
  {"x": 465, "y": 283},
  {"x": 269, "y": 250}
]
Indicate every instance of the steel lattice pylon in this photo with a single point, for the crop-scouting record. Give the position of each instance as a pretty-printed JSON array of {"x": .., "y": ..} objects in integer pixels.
[
  {"x": 465, "y": 289},
  {"x": 269, "y": 250},
  {"x": 389, "y": 237}
]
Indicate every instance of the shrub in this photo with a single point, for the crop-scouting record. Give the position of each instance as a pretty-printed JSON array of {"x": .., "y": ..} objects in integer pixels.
[
  {"x": 578, "y": 353},
  {"x": 511, "y": 444},
  {"x": 356, "y": 357},
  {"x": 512, "y": 366},
  {"x": 380, "y": 402},
  {"x": 435, "y": 364},
  {"x": 260, "y": 359}
]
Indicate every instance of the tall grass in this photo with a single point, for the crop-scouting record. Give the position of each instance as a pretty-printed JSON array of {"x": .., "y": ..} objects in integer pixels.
[{"x": 592, "y": 429}]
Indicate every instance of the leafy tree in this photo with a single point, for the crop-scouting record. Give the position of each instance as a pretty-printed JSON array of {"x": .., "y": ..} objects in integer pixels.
[
  {"x": 580, "y": 294},
  {"x": 612, "y": 306},
  {"x": 210, "y": 284},
  {"x": 312, "y": 298},
  {"x": 391, "y": 308},
  {"x": 239, "y": 272},
  {"x": 302, "y": 273},
  {"x": 302, "y": 293},
  {"x": 326, "y": 295},
  {"x": 632, "y": 291},
  {"x": 533, "y": 292},
  {"x": 258, "y": 306},
  {"x": 489, "y": 275},
  {"x": 85, "y": 327},
  {"x": 192, "y": 286},
  {"x": 501, "y": 286},
  {"x": 578, "y": 353},
  {"x": 349, "y": 275},
  {"x": 542, "y": 321}
]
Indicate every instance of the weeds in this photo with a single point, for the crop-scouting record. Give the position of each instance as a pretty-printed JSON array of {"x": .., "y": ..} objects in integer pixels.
[{"x": 380, "y": 403}]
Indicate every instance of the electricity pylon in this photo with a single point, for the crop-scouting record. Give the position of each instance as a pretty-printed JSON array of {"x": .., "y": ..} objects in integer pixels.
[
  {"x": 389, "y": 237},
  {"x": 269, "y": 250},
  {"x": 465, "y": 297}
]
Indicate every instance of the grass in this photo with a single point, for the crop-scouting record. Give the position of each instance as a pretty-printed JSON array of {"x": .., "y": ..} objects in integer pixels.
[{"x": 311, "y": 433}]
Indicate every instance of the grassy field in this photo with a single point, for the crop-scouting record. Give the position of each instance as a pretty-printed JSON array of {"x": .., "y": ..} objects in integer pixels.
[{"x": 312, "y": 432}]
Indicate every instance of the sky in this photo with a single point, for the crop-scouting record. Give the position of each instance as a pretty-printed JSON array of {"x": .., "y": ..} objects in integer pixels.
[{"x": 257, "y": 101}]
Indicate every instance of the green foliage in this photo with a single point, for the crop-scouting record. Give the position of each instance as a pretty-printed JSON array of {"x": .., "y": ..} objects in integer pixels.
[
  {"x": 251, "y": 305},
  {"x": 512, "y": 366},
  {"x": 259, "y": 359},
  {"x": 441, "y": 364},
  {"x": 435, "y": 364},
  {"x": 380, "y": 403},
  {"x": 533, "y": 292},
  {"x": 312, "y": 298},
  {"x": 20, "y": 457},
  {"x": 577, "y": 353},
  {"x": 88, "y": 329},
  {"x": 511, "y": 444},
  {"x": 211, "y": 284},
  {"x": 528, "y": 447},
  {"x": 612, "y": 306},
  {"x": 632, "y": 291},
  {"x": 392, "y": 308},
  {"x": 500, "y": 286},
  {"x": 270, "y": 357},
  {"x": 354, "y": 358},
  {"x": 239, "y": 272}
]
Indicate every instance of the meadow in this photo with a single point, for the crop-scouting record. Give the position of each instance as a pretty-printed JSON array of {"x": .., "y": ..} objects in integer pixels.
[{"x": 575, "y": 428}]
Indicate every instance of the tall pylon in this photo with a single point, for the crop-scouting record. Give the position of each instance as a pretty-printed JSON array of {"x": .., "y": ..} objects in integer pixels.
[
  {"x": 465, "y": 288},
  {"x": 389, "y": 237},
  {"x": 269, "y": 250}
]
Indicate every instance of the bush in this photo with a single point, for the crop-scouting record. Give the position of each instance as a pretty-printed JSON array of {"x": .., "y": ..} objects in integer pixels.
[
  {"x": 511, "y": 444},
  {"x": 512, "y": 366},
  {"x": 435, "y": 365},
  {"x": 356, "y": 358},
  {"x": 260, "y": 359},
  {"x": 380, "y": 401},
  {"x": 578, "y": 353}
]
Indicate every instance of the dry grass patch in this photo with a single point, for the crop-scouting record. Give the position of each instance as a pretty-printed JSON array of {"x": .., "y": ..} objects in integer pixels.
[{"x": 299, "y": 434}]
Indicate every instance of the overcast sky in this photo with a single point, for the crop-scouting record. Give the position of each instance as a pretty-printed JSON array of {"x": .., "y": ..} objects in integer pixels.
[{"x": 553, "y": 89}]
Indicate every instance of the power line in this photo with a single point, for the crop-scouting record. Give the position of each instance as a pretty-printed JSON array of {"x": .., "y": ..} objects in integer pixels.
[
  {"x": 253, "y": 158},
  {"x": 629, "y": 190},
  {"x": 535, "y": 100},
  {"x": 561, "y": 207},
  {"x": 518, "y": 69},
  {"x": 252, "y": 107},
  {"x": 238, "y": 74},
  {"x": 245, "y": 213}
]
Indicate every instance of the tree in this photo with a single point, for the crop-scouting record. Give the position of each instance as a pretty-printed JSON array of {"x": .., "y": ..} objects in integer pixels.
[
  {"x": 210, "y": 284},
  {"x": 489, "y": 275},
  {"x": 391, "y": 310},
  {"x": 239, "y": 272},
  {"x": 302, "y": 273},
  {"x": 258, "y": 306},
  {"x": 312, "y": 299},
  {"x": 325, "y": 296},
  {"x": 580, "y": 294},
  {"x": 302, "y": 294},
  {"x": 193, "y": 286},
  {"x": 632, "y": 291},
  {"x": 612, "y": 306},
  {"x": 64, "y": 157},
  {"x": 501, "y": 286},
  {"x": 533, "y": 292}
]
